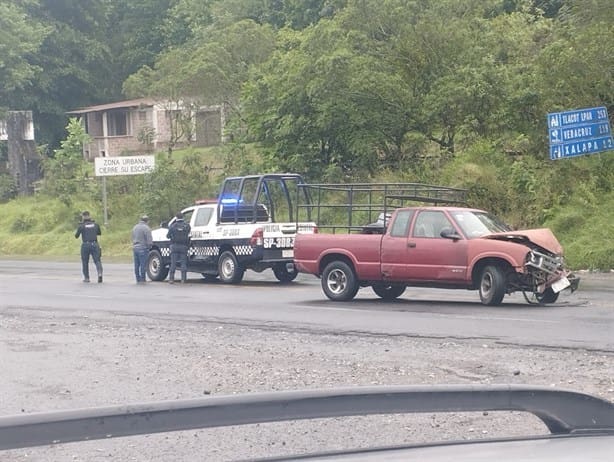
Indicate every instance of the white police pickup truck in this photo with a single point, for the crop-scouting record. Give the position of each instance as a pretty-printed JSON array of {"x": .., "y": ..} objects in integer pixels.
[{"x": 251, "y": 225}]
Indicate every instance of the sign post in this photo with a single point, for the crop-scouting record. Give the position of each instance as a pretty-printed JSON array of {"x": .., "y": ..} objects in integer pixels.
[
  {"x": 579, "y": 132},
  {"x": 113, "y": 166}
]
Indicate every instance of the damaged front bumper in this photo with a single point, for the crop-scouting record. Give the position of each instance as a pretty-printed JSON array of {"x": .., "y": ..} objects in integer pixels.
[
  {"x": 549, "y": 272},
  {"x": 568, "y": 280}
]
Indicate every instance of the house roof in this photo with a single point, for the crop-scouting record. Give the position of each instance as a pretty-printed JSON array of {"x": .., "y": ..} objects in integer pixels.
[{"x": 131, "y": 103}]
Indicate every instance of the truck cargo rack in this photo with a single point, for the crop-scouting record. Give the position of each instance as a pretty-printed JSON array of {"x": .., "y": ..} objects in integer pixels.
[
  {"x": 350, "y": 207},
  {"x": 259, "y": 198}
]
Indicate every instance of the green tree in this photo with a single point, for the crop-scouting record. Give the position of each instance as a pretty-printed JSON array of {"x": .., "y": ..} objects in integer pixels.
[
  {"x": 139, "y": 33},
  {"x": 296, "y": 14},
  {"x": 209, "y": 71},
  {"x": 20, "y": 40},
  {"x": 67, "y": 173},
  {"x": 575, "y": 69},
  {"x": 305, "y": 106},
  {"x": 185, "y": 18},
  {"x": 348, "y": 91},
  {"x": 395, "y": 83},
  {"x": 75, "y": 59},
  {"x": 174, "y": 184},
  {"x": 160, "y": 83}
]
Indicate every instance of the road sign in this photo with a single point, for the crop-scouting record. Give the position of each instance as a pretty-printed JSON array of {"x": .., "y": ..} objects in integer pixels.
[
  {"x": 579, "y": 132},
  {"x": 125, "y": 165}
]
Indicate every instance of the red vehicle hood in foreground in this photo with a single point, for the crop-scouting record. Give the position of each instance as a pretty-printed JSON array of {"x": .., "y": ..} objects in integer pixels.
[{"x": 542, "y": 237}]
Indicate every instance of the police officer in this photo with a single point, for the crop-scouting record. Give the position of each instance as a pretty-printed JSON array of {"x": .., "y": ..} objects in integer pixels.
[
  {"x": 179, "y": 234},
  {"x": 89, "y": 231}
]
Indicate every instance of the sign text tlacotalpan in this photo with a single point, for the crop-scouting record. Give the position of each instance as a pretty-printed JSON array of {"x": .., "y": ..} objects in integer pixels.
[
  {"x": 130, "y": 165},
  {"x": 579, "y": 132}
]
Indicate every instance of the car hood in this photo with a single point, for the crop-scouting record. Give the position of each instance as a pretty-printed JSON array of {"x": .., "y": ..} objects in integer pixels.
[
  {"x": 159, "y": 234},
  {"x": 542, "y": 237}
]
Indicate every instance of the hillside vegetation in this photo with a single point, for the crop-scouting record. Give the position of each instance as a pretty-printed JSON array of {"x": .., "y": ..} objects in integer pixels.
[
  {"x": 443, "y": 92},
  {"x": 44, "y": 226}
]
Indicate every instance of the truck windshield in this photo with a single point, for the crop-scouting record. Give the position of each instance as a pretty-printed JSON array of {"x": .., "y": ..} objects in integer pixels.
[{"x": 476, "y": 224}]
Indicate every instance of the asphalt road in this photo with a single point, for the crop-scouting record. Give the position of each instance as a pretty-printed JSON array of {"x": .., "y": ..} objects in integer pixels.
[
  {"x": 584, "y": 319},
  {"x": 65, "y": 345}
]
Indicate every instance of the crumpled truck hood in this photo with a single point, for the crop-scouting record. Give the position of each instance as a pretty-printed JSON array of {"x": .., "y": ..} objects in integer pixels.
[{"x": 542, "y": 237}]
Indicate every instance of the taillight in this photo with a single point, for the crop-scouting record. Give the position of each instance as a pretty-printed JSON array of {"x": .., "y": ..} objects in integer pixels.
[{"x": 257, "y": 238}]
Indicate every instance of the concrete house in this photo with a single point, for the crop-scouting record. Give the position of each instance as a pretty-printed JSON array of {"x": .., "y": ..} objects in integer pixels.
[{"x": 144, "y": 125}]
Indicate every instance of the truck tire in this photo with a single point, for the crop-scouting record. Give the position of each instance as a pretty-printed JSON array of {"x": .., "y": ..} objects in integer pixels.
[
  {"x": 156, "y": 270},
  {"x": 492, "y": 285},
  {"x": 548, "y": 296},
  {"x": 282, "y": 274},
  {"x": 339, "y": 281},
  {"x": 388, "y": 291},
  {"x": 229, "y": 269}
]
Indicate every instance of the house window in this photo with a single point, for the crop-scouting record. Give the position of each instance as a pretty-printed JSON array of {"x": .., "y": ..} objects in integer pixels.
[{"x": 118, "y": 123}]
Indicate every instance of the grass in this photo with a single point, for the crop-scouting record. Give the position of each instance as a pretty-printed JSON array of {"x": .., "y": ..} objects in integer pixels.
[
  {"x": 584, "y": 230},
  {"x": 44, "y": 227},
  {"x": 39, "y": 226}
]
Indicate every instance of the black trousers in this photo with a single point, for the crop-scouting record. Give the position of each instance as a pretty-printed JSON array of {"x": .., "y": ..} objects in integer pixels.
[
  {"x": 179, "y": 254},
  {"x": 90, "y": 249}
]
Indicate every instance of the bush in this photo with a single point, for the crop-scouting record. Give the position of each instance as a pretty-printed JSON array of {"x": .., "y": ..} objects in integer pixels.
[
  {"x": 8, "y": 187},
  {"x": 23, "y": 224}
]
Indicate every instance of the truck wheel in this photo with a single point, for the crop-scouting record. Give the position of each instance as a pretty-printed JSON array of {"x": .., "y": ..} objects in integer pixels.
[
  {"x": 155, "y": 268},
  {"x": 492, "y": 285},
  {"x": 282, "y": 274},
  {"x": 548, "y": 296},
  {"x": 339, "y": 281},
  {"x": 389, "y": 291},
  {"x": 229, "y": 270}
]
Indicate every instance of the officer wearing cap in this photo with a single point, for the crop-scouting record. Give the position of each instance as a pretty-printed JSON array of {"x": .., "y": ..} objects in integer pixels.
[
  {"x": 89, "y": 231},
  {"x": 141, "y": 243}
]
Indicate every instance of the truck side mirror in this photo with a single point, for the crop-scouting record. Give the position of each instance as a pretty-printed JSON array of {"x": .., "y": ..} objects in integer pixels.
[{"x": 450, "y": 233}]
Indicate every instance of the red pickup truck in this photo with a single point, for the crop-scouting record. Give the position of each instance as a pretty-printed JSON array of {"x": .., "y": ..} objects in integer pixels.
[{"x": 443, "y": 247}]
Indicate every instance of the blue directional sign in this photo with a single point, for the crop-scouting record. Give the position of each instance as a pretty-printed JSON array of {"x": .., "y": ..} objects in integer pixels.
[{"x": 579, "y": 132}]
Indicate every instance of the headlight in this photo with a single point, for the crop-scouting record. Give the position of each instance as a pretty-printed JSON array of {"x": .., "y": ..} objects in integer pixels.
[{"x": 543, "y": 262}]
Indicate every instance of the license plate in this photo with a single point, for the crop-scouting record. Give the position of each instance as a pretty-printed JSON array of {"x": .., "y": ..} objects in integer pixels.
[
  {"x": 561, "y": 284},
  {"x": 287, "y": 253}
]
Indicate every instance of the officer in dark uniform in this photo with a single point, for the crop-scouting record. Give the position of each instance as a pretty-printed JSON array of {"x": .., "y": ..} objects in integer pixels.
[
  {"x": 179, "y": 234},
  {"x": 89, "y": 231}
]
